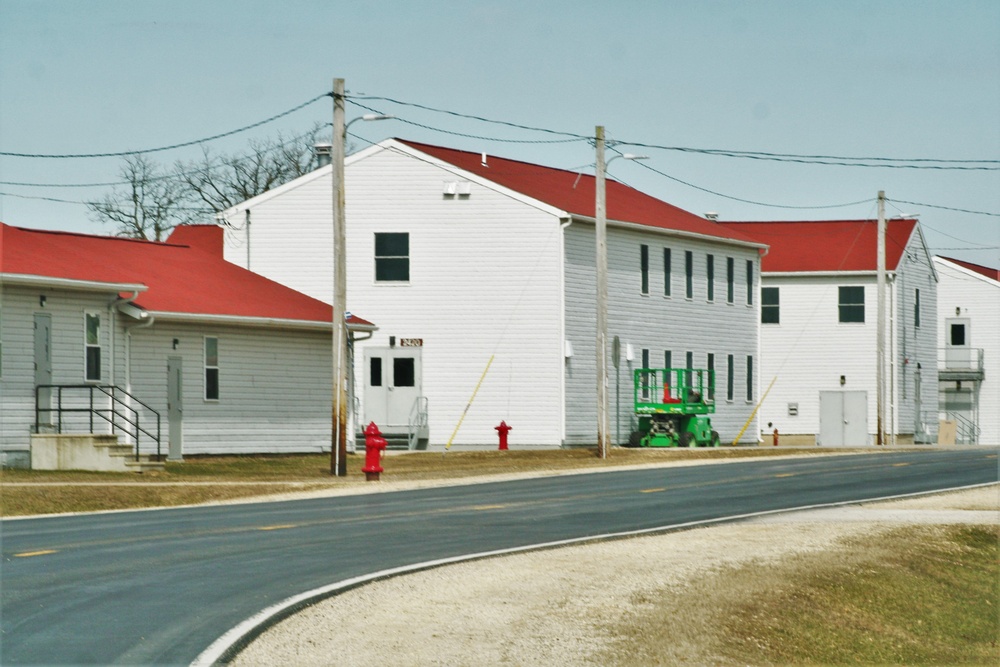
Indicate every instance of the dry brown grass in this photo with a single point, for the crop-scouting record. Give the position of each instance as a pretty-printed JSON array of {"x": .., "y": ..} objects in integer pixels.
[
  {"x": 916, "y": 596},
  {"x": 208, "y": 479}
]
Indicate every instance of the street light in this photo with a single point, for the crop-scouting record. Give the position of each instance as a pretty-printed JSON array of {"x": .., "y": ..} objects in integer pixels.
[
  {"x": 338, "y": 449},
  {"x": 601, "y": 217}
]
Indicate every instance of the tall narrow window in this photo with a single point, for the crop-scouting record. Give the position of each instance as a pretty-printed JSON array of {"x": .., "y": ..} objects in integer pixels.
[
  {"x": 730, "y": 278},
  {"x": 392, "y": 257},
  {"x": 770, "y": 306},
  {"x": 644, "y": 379},
  {"x": 729, "y": 377},
  {"x": 916, "y": 308},
  {"x": 851, "y": 304},
  {"x": 211, "y": 368},
  {"x": 666, "y": 272},
  {"x": 710, "y": 276},
  {"x": 688, "y": 364},
  {"x": 711, "y": 376},
  {"x": 749, "y": 379},
  {"x": 667, "y": 361},
  {"x": 689, "y": 274},
  {"x": 92, "y": 371},
  {"x": 749, "y": 282},
  {"x": 644, "y": 268}
]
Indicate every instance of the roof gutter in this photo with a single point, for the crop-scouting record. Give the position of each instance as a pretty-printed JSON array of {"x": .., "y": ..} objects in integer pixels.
[
  {"x": 269, "y": 322},
  {"x": 30, "y": 280},
  {"x": 635, "y": 226}
]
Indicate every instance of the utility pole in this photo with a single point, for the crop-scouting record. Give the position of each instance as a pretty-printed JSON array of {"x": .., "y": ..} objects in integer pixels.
[
  {"x": 338, "y": 449},
  {"x": 880, "y": 336},
  {"x": 602, "y": 300}
]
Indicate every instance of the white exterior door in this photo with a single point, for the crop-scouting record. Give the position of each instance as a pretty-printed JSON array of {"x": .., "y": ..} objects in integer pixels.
[
  {"x": 958, "y": 352},
  {"x": 843, "y": 418},
  {"x": 392, "y": 385}
]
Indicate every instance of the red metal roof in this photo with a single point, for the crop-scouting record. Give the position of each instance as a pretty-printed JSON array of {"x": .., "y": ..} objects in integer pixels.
[
  {"x": 982, "y": 270},
  {"x": 574, "y": 193},
  {"x": 180, "y": 278},
  {"x": 827, "y": 245}
]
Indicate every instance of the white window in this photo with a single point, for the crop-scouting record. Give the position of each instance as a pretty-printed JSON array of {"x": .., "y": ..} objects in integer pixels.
[
  {"x": 92, "y": 347},
  {"x": 211, "y": 368}
]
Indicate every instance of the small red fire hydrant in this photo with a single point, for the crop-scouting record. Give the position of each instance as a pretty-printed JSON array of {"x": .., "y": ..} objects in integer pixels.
[
  {"x": 774, "y": 438},
  {"x": 374, "y": 447},
  {"x": 502, "y": 430}
]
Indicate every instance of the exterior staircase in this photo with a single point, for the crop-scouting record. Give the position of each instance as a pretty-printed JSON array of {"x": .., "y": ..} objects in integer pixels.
[{"x": 88, "y": 451}]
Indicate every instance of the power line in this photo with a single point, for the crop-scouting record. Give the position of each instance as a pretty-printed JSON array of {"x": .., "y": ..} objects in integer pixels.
[
  {"x": 473, "y": 136},
  {"x": 750, "y": 201},
  {"x": 575, "y": 137},
  {"x": 166, "y": 148},
  {"x": 831, "y": 160},
  {"x": 946, "y": 208}
]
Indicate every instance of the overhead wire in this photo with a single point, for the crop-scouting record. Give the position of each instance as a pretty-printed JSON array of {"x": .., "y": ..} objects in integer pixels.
[{"x": 185, "y": 144}]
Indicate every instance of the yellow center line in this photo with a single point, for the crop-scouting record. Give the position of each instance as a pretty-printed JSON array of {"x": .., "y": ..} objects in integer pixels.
[
  {"x": 653, "y": 490},
  {"x": 899, "y": 465},
  {"x": 29, "y": 554},
  {"x": 785, "y": 474},
  {"x": 280, "y": 527},
  {"x": 479, "y": 508}
]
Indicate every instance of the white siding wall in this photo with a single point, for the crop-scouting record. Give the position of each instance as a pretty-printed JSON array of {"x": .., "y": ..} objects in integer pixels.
[
  {"x": 17, "y": 385},
  {"x": 657, "y": 323},
  {"x": 811, "y": 349},
  {"x": 915, "y": 345},
  {"x": 484, "y": 280},
  {"x": 274, "y": 386},
  {"x": 979, "y": 300}
]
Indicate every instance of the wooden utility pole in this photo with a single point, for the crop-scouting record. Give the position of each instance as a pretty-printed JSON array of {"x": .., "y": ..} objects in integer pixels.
[
  {"x": 601, "y": 342},
  {"x": 338, "y": 449},
  {"x": 880, "y": 336}
]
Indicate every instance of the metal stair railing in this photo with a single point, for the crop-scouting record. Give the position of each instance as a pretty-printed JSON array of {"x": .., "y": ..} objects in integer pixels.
[
  {"x": 967, "y": 430},
  {"x": 417, "y": 422},
  {"x": 119, "y": 414}
]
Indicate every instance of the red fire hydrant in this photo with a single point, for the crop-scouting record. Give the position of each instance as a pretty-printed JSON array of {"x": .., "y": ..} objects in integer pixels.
[
  {"x": 502, "y": 430},
  {"x": 374, "y": 447},
  {"x": 774, "y": 438}
]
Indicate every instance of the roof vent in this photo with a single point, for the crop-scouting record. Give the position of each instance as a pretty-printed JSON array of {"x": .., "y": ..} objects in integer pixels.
[
  {"x": 323, "y": 153},
  {"x": 712, "y": 215}
]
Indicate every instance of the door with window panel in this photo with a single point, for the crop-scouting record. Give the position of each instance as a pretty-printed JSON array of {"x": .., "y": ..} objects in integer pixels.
[{"x": 392, "y": 386}]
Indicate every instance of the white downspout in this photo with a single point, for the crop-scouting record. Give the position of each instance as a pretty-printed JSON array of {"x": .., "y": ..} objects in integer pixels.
[{"x": 563, "y": 226}]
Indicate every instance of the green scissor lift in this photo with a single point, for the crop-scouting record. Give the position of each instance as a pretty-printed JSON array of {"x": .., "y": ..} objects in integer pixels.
[{"x": 672, "y": 407}]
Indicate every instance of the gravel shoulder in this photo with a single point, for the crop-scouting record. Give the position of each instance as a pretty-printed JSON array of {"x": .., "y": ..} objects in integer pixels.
[{"x": 556, "y": 607}]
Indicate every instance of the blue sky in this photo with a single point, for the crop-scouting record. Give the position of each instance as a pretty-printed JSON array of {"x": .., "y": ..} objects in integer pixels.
[{"x": 900, "y": 79}]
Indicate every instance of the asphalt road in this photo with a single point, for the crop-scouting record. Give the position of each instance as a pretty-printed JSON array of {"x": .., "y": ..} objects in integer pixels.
[{"x": 158, "y": 587}]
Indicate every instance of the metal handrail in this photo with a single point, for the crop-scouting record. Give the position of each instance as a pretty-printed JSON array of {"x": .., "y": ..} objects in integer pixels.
[
  {"x": 119, "y": 411},
  {"x": 417, "y": 420},
  {"x": 960, "y": 358}
]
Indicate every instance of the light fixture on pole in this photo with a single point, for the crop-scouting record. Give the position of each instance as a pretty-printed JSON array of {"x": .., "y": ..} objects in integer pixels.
[
  {"x": 601, "y": 343},
  {"x": 338, "y": 449}
]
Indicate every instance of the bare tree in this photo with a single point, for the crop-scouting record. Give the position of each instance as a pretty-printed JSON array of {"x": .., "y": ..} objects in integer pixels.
[
  {"x": 222, "y": 182},
  {"x": 148, "y": 206},
  {"x": 153, "y": 200}
]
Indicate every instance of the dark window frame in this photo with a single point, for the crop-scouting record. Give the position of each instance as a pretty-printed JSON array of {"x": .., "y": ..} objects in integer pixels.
[
  {"x": 851, "y": 310},
  {"x": 710, "y": 276},
  {"x": 392, "y": 259},
  {"x": 688, "y": 274},
  {"x": 644, "y": 269},
  {"x": 770, "y": 305},
  {"x": 212, "y": 369}
]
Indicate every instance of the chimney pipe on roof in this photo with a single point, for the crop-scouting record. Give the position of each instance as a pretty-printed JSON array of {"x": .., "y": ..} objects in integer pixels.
[{"x": 324, "y": 154}]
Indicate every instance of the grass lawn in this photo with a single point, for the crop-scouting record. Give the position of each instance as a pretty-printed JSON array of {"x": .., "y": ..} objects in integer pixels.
[{"x": 219, "y": 478}]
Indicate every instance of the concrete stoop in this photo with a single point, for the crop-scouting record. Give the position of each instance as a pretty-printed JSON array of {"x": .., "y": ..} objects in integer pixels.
[{"x": 92, "y": 452}]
